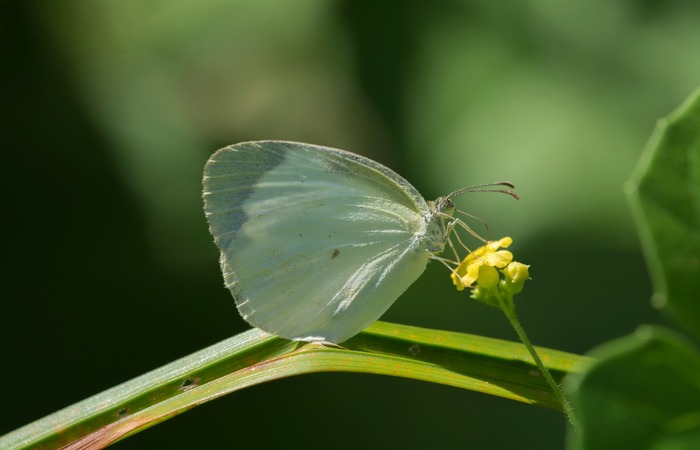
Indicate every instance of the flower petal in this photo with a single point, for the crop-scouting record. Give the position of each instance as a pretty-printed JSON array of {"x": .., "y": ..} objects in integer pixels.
[{"x": 498, "y": 259}]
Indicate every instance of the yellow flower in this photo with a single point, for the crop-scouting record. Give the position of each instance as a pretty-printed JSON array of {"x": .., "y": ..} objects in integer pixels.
[{"x": 479, "y": 266}]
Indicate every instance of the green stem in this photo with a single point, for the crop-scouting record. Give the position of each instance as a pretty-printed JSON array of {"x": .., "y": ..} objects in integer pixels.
[{"x": 508, "y": 308}]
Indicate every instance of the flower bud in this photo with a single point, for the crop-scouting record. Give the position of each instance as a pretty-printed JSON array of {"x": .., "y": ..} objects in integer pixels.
[{"x": 515, "y": 276}]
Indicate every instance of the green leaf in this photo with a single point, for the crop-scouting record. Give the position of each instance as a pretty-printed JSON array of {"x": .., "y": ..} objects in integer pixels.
[
  {"x": 642, "y": 393},
  {"x": 491, "y": 366},
  {"x": 665, "y": 196}
]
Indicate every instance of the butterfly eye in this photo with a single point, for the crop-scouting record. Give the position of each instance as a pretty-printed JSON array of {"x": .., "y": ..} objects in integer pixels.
[{"x": 444, "y": 205}]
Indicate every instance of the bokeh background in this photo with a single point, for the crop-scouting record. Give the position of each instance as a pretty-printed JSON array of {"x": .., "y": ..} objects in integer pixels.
[{"x": 111, "y": 107}]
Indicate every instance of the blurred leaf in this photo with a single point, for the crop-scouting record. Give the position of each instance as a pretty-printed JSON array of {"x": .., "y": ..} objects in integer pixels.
[
  {"x": 665, "y": 197},
  {"x": 170, "y": 81},
  {"x": 643, "y": 392},
  {"x": 481, "y": 364}
]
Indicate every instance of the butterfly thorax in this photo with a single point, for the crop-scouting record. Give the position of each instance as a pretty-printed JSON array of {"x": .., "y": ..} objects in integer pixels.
[{"x": 437, "y": 227}]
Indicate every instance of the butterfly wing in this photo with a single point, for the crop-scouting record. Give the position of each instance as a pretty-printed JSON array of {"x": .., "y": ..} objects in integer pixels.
[{"x": 316, "y": 243}]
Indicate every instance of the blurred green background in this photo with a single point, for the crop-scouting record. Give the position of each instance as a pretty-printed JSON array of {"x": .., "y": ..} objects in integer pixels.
[{"x": 111, "y": 108}]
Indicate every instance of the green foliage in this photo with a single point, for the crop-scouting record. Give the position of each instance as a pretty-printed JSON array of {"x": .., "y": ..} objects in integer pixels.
[
  {"x": 665, "y": 194},
  {"x": 485, "y": 365},
  {"x": 642, "y": 393},
  {"x": 643, "y": 390}
]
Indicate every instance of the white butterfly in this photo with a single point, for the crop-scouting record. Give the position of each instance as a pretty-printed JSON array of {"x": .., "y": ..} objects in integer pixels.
[{"x": 317, "y": 243}]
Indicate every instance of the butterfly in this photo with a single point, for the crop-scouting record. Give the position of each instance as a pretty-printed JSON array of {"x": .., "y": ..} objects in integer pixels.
[{"x": 317, "y": 243}]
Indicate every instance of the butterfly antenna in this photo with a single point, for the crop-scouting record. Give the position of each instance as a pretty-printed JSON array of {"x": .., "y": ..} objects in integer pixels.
[
  {"x": 501, "y": 187},
  {"x": 483, "y": 188}
]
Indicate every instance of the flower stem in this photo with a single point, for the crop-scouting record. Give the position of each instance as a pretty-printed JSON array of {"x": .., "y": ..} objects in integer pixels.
[{"x": 508, "y": 308}]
